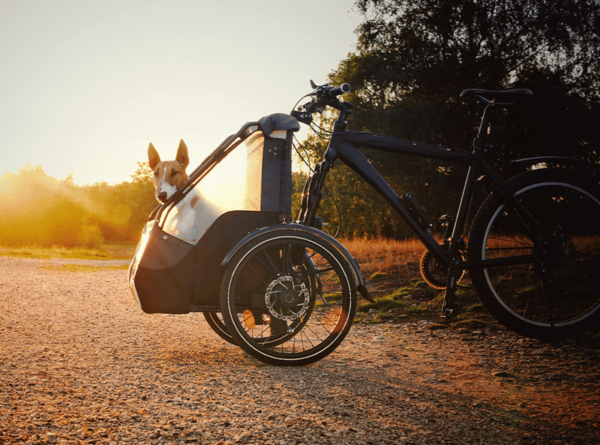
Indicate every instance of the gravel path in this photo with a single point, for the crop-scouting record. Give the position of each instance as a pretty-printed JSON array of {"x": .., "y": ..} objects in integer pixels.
[{"x": 80, "y": 362}]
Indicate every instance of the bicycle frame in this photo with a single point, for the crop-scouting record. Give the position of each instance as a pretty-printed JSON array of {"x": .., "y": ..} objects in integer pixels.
[{"x": 344, "y": 145}]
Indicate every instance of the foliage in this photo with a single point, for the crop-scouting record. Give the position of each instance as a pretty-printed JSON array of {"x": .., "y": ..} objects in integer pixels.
[
  {"x": 412, "y": 60},
  {"x": 121, "y": 210},
  {"x": 40, "y": 210}
]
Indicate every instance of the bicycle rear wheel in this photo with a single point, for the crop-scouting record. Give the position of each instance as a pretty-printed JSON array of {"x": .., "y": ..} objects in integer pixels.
[
  {"x": 550, "y": 291},
  {"x": 288, "y": 298},
  {"x": 215, "y": 321}
]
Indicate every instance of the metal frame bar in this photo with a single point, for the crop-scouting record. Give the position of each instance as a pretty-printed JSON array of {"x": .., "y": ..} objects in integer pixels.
[{"x": 344, "y": 145}]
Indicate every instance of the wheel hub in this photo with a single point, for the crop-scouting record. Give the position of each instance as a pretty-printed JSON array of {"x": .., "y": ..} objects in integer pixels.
[{"x": 285, "y": 300}]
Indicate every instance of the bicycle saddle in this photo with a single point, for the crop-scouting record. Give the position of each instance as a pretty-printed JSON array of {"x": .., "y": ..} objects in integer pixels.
[{"x": 501, "y": 96}]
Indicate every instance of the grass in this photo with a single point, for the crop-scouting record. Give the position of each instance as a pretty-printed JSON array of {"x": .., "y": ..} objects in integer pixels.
[
  {"x": 391, "y": 270},
  {"x": 386, "y": 264},
  {"x": 54, "y": 252},
  {"x": 418, "y": 282},
  {"x": 336, "y": 296},
  {"x": 83, "y": 268},
  {"x": 400, "y": 293},
  {"x": 384, "y": 256},
  {"x": 120, "y": 250},
  {"x": 329, "y": 298},
  {"x": 382, "y": 304},
  {"x": 377, "y": 276},
  {"x": 109, "y": 251}
]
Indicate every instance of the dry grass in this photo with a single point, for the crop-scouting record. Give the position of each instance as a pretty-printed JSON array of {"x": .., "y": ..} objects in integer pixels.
[
  {"x": 386, "y": 264},
  {"x": 109, "y": 251},
  {"x": 120, "y": 250},
  {"x": 391, "y": 272},
  {"x": 54, "y": 252},
  {"x": 83, "y": 268}
]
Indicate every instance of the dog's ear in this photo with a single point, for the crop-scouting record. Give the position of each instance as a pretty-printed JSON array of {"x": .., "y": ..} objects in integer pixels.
[
  {"x": 182, "y": 154},
  {"x": 153, "y": 157}
]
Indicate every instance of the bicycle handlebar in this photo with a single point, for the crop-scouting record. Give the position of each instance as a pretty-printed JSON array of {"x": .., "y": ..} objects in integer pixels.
[
  {"x": 336, "y": 91},
  {"x": 323, "y": 95}
]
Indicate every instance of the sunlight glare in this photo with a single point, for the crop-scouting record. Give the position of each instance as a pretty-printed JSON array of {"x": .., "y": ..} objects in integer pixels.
[{"x": 235, "y": 183}]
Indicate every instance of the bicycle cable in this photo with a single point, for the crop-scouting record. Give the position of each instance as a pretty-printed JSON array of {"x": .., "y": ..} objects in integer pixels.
[
  {"x": 323, "y": 136},
  {"x": 305, "y": 152},
  {"x": 324, "y": 130},
  {"x": 306, "y": 95}
]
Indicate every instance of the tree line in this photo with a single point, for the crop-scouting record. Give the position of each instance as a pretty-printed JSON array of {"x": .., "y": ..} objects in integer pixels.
[
  {"x": 412, "y": 60},
  {"x": 43, "y": 211}
]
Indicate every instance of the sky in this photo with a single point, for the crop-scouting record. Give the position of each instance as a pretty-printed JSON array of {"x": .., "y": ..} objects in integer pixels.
[{"x": 86, "y": 85}]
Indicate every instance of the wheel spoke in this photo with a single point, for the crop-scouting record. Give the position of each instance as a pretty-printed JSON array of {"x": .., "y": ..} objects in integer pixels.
[
  {"x": 540, "y": 289},
  {"x": 298, "y": 279}
]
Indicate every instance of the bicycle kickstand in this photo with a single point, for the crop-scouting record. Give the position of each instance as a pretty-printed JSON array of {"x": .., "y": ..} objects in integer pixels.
[{"x": 448, "y": 308}]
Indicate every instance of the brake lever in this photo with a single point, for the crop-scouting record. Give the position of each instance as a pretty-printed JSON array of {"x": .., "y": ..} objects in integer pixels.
[
  {"x": 317, "y": 89},
  {"x": 303, "y": 113},
  {"x": 302, "y": 116}
]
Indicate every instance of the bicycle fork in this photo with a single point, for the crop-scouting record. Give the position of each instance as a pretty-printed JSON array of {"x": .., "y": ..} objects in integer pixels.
[{"x": 311, "y": 199}]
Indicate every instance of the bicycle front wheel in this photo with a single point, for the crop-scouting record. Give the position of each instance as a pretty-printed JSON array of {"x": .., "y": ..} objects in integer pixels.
[
  {"x": 288, "y": 298},
  {"x": 542, "y": 289}
]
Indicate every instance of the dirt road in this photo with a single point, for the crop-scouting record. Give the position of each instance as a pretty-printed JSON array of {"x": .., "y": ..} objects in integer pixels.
[{"x": 80, "y": 362}]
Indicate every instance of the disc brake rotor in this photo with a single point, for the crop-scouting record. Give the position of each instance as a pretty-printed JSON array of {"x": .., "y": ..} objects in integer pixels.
[{"x": 285, "y": 300}]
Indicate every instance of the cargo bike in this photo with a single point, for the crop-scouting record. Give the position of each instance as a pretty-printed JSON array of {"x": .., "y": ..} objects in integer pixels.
[{"x": 285, "y": 292}]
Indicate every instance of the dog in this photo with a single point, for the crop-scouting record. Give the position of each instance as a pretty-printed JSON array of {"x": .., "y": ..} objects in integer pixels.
[{"x": 194, "y": 214}]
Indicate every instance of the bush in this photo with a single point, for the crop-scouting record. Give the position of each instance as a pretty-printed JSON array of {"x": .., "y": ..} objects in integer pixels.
[{"x": 39, "y": 210}]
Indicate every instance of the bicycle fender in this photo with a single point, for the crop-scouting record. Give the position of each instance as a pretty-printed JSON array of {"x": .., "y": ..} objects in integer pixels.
[
  {"x": 522, "y": 164},
  {"x": 360, "y": 282}
]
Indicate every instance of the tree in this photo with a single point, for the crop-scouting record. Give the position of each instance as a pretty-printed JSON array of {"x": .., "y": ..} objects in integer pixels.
[
  {"x": 414, "y": 57},
  {"x": 43, "y": 211},
  {"x": 121, "y": 210}
]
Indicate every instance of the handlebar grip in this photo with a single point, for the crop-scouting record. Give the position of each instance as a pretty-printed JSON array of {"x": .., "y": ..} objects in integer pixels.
[{"x": 336, "y": 91}]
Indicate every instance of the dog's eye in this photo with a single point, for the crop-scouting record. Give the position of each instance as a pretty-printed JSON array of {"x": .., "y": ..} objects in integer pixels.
[
  {"x": 156, "y": 173},
  {"x": 174, "y": 172}
]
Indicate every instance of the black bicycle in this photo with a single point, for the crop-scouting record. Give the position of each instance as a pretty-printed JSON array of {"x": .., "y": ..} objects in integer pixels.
[
  {"x": 287, "y": 293},
  {"x": 533, "y": 250}
]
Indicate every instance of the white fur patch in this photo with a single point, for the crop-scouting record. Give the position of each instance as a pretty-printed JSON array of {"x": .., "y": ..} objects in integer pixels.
[
  {"x": 189, "y": 223},
  {"x": 164, "y": 186}
]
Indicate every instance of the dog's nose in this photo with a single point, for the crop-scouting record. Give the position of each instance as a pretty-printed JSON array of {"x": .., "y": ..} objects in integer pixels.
[{"x": 162, "y": 196}]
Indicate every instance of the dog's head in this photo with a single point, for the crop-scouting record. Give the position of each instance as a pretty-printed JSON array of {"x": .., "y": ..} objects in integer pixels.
[{"x": 169, "y": 176}]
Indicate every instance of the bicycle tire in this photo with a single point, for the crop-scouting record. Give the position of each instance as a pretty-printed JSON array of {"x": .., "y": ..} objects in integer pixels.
[
  {"x": 273, "y": 274},
  {"x": 218, "y": 326},
  {"x": 566, "y": 302}
]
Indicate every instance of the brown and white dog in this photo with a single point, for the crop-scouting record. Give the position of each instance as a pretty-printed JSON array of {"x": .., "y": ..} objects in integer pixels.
[{"x": 193, "y": 215}]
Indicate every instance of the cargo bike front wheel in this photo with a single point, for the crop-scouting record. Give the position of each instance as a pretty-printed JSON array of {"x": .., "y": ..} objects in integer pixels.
[{"x": 288, "y": 297}]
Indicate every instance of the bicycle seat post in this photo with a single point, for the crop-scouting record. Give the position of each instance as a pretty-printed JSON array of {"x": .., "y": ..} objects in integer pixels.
[{"x": 478, "y": 142}]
